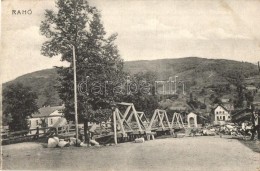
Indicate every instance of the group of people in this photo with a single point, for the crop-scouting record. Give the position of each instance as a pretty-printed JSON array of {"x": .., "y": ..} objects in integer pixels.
[{"x": 251, "y": 127}]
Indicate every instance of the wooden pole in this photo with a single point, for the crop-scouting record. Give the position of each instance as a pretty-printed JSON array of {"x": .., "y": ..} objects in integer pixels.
[
  {"x": 37, "y": 133},
  {"x": 115, "y": 133},
  {"x": 75, "y": 94}
]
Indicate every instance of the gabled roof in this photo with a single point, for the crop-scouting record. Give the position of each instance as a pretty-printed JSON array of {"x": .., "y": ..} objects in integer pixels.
[
  {"x": 220, "y": 106},
  {"x": 192, "y": 113},
  {"x": 46, "y": 111}
]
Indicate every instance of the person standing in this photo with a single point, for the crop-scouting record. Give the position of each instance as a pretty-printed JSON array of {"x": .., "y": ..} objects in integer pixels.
[{"x": 255, "y": 122}]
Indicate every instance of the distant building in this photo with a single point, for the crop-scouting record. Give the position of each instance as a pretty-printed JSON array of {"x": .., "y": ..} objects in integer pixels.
[
  {"x": 46, "y": 117},
  {"x": 221, "y": 114}
]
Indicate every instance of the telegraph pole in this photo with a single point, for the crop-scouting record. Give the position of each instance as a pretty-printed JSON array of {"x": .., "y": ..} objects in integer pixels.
[{"x": 75, "y": 94}]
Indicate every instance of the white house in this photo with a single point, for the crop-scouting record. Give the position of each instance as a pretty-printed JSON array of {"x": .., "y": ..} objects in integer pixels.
[
  {"x": 46, "y": 117},
  {"x": 221, "y": 114}
]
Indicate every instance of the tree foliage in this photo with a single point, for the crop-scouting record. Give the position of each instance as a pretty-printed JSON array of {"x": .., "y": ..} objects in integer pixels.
[
  {"x": 19, "y": 102},
  {"x": 142, "y": 92},
  {"x": 98, "y": 63}
]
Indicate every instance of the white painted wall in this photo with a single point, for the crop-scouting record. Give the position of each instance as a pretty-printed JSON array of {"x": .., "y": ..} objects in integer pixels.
[
  {"x": 34, "y": 122},
  {"x": 221, "y": 114}
]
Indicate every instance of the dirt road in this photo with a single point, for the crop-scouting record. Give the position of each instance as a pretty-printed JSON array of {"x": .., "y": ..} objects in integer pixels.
[{"x": 180, "y": 154}]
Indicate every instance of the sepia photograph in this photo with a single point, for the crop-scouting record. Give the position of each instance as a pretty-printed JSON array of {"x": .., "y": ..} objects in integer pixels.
[{"x": 121, "y": 85}]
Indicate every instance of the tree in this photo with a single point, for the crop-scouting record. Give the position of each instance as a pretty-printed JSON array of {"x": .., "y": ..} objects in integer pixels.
[
  {"x": 142, "y": 92},
  {"x": 249, "y": 98},
  {"x": 50, "y": 97},
  {"x": 99, "y": 66},
  {"x": 19, "y": 102}
]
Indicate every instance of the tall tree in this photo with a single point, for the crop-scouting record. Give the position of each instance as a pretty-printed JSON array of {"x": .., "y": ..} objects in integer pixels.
[
  {"x": 19, "y": 102},
  {"x": 98, "y": 63},
  {"x": 141, "y": 92}
]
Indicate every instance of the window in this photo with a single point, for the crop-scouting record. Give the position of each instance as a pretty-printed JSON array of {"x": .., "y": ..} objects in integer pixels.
[
  {"x": 37, "y": 122},
  {"x": 51, "y": 121},
  {"x": 216, "y": 112}
]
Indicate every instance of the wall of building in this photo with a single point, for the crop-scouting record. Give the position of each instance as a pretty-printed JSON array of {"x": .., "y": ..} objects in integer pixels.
[
  {"x": 221, "y": 114},
  {"x": 34, "y": 122},
  {"x": 52, "y": 120}
]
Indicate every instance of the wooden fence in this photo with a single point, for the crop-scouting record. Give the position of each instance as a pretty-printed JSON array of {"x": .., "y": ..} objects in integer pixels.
[{"x": 28, "y": 135}]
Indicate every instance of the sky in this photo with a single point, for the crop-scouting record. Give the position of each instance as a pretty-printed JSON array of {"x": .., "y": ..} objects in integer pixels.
[{"x": 147, "y": 30}]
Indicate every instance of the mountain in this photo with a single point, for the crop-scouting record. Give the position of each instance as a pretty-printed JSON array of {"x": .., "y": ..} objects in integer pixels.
[
  {"x": 43, "y": 83},
  {"x": 198, "y": 73}
]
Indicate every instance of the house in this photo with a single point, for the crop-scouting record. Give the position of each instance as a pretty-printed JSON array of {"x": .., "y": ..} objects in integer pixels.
[
  {"x": 46, "y": 117},
  {"x": 221, "y": 114}
]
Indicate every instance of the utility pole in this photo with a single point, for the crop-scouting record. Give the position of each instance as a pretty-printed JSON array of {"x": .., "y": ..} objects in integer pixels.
[{"x": 75, "y": 94}]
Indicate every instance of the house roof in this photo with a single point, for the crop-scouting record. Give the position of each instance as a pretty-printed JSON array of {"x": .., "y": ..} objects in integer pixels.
[
  {"x": 46, "y": 111},
  {"x": 220, "y": 106},
  {"x": 191, "y": 113}
]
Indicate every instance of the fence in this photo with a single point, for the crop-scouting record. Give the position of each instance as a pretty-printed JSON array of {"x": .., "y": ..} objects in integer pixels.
[{"x": 34, "y": 134}]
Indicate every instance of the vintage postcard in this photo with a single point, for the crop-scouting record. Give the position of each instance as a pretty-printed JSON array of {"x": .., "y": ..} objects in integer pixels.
[{"x": 130, "y": 85}]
